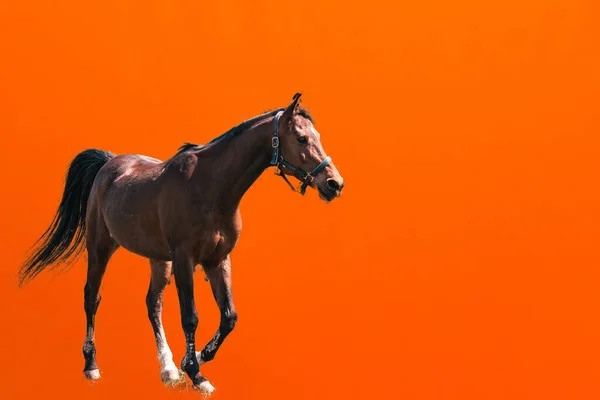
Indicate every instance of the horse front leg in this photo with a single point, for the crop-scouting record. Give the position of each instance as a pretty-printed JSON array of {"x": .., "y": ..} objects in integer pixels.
[
  {"x": 219, "y": 276},
  {"x": 183, "y": 268}
]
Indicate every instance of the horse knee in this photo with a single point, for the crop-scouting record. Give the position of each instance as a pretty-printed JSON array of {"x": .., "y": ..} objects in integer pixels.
[
  {"x": 228, "y": 321},
  {"x": 189, "y": 321},
  {"x": 150, "y": 305}
]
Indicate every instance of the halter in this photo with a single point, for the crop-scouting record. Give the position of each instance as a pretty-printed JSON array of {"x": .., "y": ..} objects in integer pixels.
[{"x": 277, "y": 161}]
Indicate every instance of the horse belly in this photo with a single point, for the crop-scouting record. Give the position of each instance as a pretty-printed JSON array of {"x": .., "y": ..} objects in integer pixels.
[{"x": 133, "y": 234}]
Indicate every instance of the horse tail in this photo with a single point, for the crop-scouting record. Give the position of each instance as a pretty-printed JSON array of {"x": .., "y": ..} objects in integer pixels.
[{"x": 65, "y": 236}]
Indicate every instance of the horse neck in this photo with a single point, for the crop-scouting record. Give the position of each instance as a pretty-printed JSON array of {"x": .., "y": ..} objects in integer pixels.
[{"x": 239, "y": 162}]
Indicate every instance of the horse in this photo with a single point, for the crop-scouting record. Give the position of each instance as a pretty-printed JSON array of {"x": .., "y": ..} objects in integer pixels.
[{"x": 179, "y": 214}]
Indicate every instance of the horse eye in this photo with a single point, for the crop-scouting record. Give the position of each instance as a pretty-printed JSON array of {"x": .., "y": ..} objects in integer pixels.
[{"x": 302, "y": 139}]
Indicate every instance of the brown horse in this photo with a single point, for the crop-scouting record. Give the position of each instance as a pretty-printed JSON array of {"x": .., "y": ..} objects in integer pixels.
[{"x": 179, "y": 213}]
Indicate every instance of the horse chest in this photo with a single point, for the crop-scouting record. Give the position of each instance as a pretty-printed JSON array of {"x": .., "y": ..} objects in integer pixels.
[{"x": 216, "y": 245}]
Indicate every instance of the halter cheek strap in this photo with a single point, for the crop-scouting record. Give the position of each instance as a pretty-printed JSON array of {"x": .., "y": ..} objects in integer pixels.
[
  {"x": 278, "y": 161},
  {"x": 275, "y": 140}
]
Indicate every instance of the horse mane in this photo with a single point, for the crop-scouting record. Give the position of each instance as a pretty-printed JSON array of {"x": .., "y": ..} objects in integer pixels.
[
  {"x": 185, "y": 147},
  {"x": 236, "y": 130}
]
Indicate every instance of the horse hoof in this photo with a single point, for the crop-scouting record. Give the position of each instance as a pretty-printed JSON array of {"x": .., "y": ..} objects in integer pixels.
[
  {"x": 170, "y": 374},
  {"x": 205, "y": 388},
  {"x": 92, "y": 374}
]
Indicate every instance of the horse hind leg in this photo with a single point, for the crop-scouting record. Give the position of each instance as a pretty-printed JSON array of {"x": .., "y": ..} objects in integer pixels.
[
  {"x": 100, "y": 247},
  {"x": 161, "y": 272}
]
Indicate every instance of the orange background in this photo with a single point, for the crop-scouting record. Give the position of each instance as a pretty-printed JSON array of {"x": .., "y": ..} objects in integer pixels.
[{"x": 461, "y": 262}]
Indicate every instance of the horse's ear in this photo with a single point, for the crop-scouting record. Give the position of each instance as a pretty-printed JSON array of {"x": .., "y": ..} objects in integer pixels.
[{"x": 292, "y": 107}]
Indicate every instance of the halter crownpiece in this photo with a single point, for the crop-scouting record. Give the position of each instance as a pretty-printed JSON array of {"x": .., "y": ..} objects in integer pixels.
[{"x": 277, "y": 161}]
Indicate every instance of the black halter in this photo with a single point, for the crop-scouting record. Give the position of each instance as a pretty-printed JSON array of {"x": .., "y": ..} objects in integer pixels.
[{"x": 277, "y": 161}]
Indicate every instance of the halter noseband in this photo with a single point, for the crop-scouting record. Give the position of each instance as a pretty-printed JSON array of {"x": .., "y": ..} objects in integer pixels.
[{"x": 277, "y": 161}]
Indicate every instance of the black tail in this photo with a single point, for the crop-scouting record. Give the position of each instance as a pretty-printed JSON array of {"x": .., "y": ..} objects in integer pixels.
[{"x": 66, "y": 234}]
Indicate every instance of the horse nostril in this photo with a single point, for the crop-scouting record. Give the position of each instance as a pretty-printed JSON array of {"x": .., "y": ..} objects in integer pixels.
[{"x": 332, "y": 184}]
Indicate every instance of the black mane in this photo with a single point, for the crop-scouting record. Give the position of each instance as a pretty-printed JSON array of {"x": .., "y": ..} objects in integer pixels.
[
  {"x": 186, "y": 146},
  {"x": 236, "y": 130}
]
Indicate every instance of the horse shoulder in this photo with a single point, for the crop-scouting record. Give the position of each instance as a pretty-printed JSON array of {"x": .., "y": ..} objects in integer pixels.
[{"x": 182, "y": 165}]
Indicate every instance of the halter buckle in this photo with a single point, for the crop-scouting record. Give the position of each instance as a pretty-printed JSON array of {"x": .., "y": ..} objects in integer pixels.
[{"x": 275, "y": 142}]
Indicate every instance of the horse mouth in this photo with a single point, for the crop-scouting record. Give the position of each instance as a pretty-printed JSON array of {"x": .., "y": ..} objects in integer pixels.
[{"x": 327, "y": 196}]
